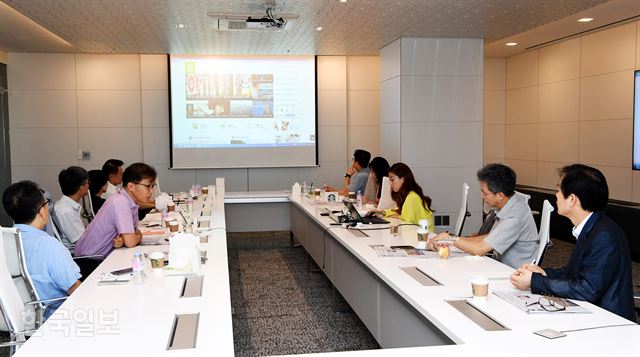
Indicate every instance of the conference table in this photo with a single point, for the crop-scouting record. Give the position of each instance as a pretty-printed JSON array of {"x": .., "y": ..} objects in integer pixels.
[{"x": 420, "y": 304}]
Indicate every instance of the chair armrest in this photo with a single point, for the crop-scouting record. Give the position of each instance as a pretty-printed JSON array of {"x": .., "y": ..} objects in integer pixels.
[
  {"x": 23, "y": 333},
  {"x": 11, "y": 343},
  {"x": 45, "y": 301},
  {"x": 88, "y": 256}
]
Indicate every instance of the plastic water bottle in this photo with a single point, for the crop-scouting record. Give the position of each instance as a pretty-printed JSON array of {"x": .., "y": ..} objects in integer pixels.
[
  {"x": 198, "y": 190},
  {"x": 164, "y": 216},
  {"x": 296, "y": 190},
  {"x": 359, "y": 199},
  {"x": 189, "y": 206},
  {"x": 305, "y": 187},
  {"x": 137, "y": 265}
]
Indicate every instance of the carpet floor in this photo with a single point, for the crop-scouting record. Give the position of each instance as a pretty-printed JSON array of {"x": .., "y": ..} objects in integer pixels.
[{"x": 283, "y": 303}]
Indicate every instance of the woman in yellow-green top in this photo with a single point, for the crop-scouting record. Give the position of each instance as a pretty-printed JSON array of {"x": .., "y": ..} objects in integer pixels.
[{"x": 412, "y": 204}]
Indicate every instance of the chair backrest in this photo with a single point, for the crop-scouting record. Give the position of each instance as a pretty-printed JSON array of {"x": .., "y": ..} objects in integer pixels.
[
  {"x": 12, "y": 310},
  {"x": 156, "y": 189},
  {"x": 11, "y": 265},
  {"x": 543, "y": 234},
  {"x": 87, "y": 207},
  {"x": 386, "y": 202},
  {"x": 53, "y": 223},
  {"x": 464, "y": 212}
]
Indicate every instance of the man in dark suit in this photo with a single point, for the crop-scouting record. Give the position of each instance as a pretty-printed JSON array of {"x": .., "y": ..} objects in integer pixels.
[{"x": 599, "y": 270}]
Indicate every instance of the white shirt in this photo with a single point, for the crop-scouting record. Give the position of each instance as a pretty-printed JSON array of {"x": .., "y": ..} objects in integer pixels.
[
  {"x": 68, "y": 216},
  {"x": 578, "y": 229},
  {"x": 111, "y": 189}
]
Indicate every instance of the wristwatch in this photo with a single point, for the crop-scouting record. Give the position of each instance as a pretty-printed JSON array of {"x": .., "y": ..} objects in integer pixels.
[{"x": 347, "y": 175}]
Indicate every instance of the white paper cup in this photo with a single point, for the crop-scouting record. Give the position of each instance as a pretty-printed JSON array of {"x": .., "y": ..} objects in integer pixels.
[
  {"x": 480, "y": 287},
  {"x": 157, "y": 260}
]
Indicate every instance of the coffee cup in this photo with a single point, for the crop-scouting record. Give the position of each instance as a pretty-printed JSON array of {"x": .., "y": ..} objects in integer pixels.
[
  {"x": 317, "y": 192},
  {"x": 205, "y": 190},
  {"x": 352, "y": 195},
  {"x": 423, "y": 234},
  {"x": 480, "y": 287},
  {"x": 157, "y": 260},
  {"x": 171, "y": 207},
  {"x": 173, "y": 226}
]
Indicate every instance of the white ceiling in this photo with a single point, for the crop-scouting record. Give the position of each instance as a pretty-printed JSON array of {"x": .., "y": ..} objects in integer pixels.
[{"x": 357, "y": 27}]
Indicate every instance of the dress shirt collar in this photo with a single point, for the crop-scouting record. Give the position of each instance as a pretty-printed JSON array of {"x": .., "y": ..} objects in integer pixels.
[
  {"x": 507, "y": 209},
  {"x": 578, "y": 229},
  {"x": 73, "y": 204},
  {"x": 129, "y": 200}
]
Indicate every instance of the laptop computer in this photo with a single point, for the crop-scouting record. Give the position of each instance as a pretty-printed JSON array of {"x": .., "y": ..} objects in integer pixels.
[{"x": 355, "y": 215}]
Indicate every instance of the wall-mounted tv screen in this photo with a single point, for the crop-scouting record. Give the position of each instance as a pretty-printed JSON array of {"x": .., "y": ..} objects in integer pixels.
[{"x": 243, "y": 111}]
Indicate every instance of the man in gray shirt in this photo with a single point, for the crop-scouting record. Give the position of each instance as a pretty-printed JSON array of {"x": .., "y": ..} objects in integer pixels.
[
  {"x": 357, "y": 174},
  {"x": 514, "y": 236}
]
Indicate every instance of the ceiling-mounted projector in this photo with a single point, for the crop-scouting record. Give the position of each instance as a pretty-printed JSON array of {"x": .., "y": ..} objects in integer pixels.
[{"x": 265, "y": 23}]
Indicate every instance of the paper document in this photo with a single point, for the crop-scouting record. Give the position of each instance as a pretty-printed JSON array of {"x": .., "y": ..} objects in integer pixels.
[
  {"x": 383, "y": 251},
  {"x": 540, "y": 304}
]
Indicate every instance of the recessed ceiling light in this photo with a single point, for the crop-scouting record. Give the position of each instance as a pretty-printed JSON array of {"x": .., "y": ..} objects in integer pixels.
[
  {"x": 343, "y": 0},
  {"x": 511, "y": 44},
  {"x": 585, "y": 19},
  {"x": 319, "y": 28},
  {"x": 180, "y": 26}
]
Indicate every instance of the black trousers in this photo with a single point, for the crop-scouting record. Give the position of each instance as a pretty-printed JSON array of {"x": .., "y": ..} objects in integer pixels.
[{"x": 87, "y": 266}]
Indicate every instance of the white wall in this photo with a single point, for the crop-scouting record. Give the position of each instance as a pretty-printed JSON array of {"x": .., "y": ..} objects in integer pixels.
[
  {"x": 431, "y": 116},
  {"x": 565, "y": 103},
  {"x": 116, "y": 106},
  {"x": 494, "y": 110}
]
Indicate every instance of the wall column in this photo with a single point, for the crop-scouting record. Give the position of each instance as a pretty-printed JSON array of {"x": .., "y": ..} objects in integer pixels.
[{"x": 431, "y": 92}]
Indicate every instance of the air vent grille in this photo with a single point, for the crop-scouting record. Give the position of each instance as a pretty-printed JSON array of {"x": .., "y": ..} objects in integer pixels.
[{"x": 233, "y": 24}]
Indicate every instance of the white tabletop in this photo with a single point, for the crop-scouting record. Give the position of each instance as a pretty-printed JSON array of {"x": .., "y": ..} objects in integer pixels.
[
  {"x": 455, "y": 274},
  {"x": 137, "y": 319}
]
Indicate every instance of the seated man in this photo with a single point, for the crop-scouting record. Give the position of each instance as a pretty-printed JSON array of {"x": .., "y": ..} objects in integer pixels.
[
  {"x": 113, "y": 169},
  {"x": 514, "y": 236},
  {"x": 97, "y": 187},
  {"x": 116, "y": 223},
  {"x": 74, "y": 182},
  {"x": 53, "y": 271},
  {"x": 355, "y": 180},
  {"x": 599, "y": 270}
]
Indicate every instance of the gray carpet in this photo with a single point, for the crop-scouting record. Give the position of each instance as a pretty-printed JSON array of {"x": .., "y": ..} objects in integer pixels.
[{"x": 283, "y": 304}]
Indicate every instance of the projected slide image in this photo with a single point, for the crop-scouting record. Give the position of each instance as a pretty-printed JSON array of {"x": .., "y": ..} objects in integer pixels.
[
  {"x": 241, "y": 108},
  {"x": 227, "y": 85},
  {"x": 229, "y": 95},
  {"x": 215, "y": 108},
  {"x": 243, "y": 111}
]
